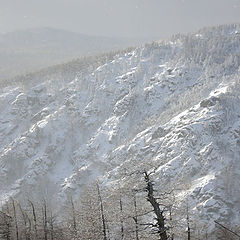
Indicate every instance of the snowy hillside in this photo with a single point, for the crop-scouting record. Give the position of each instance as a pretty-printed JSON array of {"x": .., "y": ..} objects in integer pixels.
[{"x": 171, "y": 106}]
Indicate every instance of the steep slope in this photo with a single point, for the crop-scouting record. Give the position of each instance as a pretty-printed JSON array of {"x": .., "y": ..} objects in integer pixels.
[{"x": 170, "y": 106}]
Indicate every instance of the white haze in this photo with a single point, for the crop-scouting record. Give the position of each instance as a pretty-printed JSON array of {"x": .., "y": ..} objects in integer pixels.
[{"x": 149, "y": 19}]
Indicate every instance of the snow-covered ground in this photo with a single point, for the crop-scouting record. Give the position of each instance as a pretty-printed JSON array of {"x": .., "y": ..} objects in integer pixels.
[{"x": 172, "y": 106}]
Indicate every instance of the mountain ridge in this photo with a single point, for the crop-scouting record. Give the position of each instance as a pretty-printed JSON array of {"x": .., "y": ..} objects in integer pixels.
[{"x": 30, "y": 50}]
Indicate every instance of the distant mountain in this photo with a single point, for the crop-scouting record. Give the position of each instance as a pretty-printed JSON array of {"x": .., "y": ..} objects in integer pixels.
[
  {"x": 169, "y": 107},
  {"x": 30, "y": 50}
]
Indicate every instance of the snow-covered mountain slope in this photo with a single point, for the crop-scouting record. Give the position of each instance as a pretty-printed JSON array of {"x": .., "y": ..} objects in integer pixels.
[{"x": 171, "y": 106}]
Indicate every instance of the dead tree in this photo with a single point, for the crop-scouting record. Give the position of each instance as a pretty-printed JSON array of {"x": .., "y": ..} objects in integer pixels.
[
  {"x": 188, "y": 224},
  {"x": 26, "y": 221},
  {"x": 121, "y": 209},
  {"x": 102, "y": 214},
  {"x": 5, "y": 226},
  {"x": 45, "y": 220},
  {"x": 91, "y": 219},
  {"x": 228, "y": 233},
  {"x": 34, "y": 219},
  {"x": 160, "y": 225},
  {"x": 15, "y": 219},
  {"x": 51, "y": 225},
  {"x": 135, "y": 218},
  {"x": 74, "y": 222},
  {"x": 170, "y": 218}
]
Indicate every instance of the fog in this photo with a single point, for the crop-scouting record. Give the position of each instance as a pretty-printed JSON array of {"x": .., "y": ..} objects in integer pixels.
[{"x": 126, "y": 18}]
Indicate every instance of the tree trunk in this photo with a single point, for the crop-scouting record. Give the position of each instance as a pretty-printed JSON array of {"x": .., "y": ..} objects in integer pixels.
[
  {"x": 188, "y": 225},
  {"x": 24, "y": 221},
  {"x": 136, "y": 218},
  {"x": 121, "y": 209},
  {"x": 102, "y": 214},
  {"x": 156, "y": 208},
  {"x": 45, "y": 219},
  {"x": 51, "y": 226},
  {"x": 74, "y": 219},
  {"x": 15, "y": 219},
  {"x": 34, "y": 219}
]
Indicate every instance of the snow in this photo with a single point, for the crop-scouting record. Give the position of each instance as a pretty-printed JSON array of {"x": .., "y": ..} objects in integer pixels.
[{"x": 151, "y": 107}]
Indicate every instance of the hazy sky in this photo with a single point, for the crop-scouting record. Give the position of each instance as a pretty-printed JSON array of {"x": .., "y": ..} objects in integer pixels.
[{"x": 126, "y": 18}]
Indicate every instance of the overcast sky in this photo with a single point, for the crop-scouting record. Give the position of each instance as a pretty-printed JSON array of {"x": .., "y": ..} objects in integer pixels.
[{"x": 125, "y": 18}]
